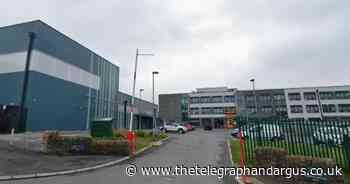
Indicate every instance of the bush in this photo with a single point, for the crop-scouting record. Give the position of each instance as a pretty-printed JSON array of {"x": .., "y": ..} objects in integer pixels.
[
  {"x": 141, "y": 133},
  {"x": 109, "y": 147},
  {"x": 159, "y": 136},
  {"x": 268, "y": 156},
  {"x": 63, "y": 145},
  {"x": 122, "y": 133}
]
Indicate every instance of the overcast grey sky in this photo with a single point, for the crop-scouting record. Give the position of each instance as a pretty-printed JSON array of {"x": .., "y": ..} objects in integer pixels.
[{"x": 205, "y": 43}]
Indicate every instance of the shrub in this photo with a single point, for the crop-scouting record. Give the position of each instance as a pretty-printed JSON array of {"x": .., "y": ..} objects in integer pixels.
[
  {"x": 141, "y": 133},
  {"x": 268, "y": 156},
  {"x": 159, "y": 136},
  {"x": 123, "y": 133},
  {"x": 109, "y": 147},
  {"x": 62, "y": 145}
]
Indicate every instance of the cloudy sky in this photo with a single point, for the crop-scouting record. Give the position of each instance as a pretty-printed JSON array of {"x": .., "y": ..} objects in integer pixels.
[{"x": 206, "y": 43}]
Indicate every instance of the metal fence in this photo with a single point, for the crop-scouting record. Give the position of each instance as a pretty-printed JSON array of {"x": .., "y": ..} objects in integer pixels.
[{"x": 324, "y": 139}]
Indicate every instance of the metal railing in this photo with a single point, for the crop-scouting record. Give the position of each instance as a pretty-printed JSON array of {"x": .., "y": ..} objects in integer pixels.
[{"x": 323, "y": 139}]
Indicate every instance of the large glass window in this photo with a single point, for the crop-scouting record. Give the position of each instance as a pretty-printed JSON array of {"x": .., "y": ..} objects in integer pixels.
[
  {"x": 205, "y": 99},
  {"x": 216, "y": 99},
  {"x": 195, "y": 111},
  {"x": 281, "y": 109},
  {"x": 195, "y": 100},
  {"x": 294, "y": 96},
  {"x": 266, "y": 109},
  {"x": 279, "y": 97},
  {"x": 312, "y": 109},
  {"x": 342, "y": 94},
  {"x": 296, "y": 109},
  {"x": 309, "y": 96},
  {"x": 265, "y": 98},
  {"x": 344, "y": 107},
  {"x": 206, "y": 110},
  {"x": 328, "y": 108},
  {"x": 218, "y": 110},
  {"x": 327, "y": 95},
  {"x": 229, "y": 99}
]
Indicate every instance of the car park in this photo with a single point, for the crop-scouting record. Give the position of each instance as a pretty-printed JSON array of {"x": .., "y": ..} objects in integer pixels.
[
  {"x": 264, "y": 131},
  {"x": 330, "y": 135}
]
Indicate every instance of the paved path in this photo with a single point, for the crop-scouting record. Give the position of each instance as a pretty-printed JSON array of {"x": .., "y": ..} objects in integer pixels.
[{"x": 201, "y": 147}]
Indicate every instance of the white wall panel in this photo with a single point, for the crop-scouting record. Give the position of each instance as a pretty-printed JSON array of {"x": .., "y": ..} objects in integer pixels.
[{"x": 13, "y": 62}]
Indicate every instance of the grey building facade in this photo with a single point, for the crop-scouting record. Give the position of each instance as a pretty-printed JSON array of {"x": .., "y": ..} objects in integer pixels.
[
  {"x": 174, "y": 107},
  {"x": 269, "y": 103},
  {"x": 143, "y": 112}
]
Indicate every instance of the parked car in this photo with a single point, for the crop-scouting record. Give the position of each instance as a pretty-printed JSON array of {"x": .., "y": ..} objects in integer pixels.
[
  {"x": 188, "y": 126},
  {"x": 174, "y": 127},
  {"x": 264, "y": 131},
  {"x": 234, "y": 132},
  {"x": 330, "y": 135},
  {"x": 208, "y": 127}
]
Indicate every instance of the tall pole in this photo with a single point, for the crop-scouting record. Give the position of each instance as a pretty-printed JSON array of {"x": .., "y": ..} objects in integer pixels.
[
  {"x": 133, "y": 92},
  {"x": 154, "y": 105},
  {"x": 319, "y": 103},
  {"x": 255, "y": 99},
  {"x": 26, "y": 77}
]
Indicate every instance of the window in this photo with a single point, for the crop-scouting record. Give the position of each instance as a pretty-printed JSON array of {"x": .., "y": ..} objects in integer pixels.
[
  {"x": 342, "y": 94},
  {"x": 194, "y": 100},
  {"x": 266, "y": 109},
  {"x": 309, "y": 96},
  {"x": 229, "y": 98},
  {"x": 265, "y": 98},
  {"x": 250, "y": 98},
  {"x": 344, "y": 107},
  {"x": 279, "y": 97},
  {"x": 205, "y": 99},
  {"x": 294, "y": 96},
  {"x": 218, "y": 110},
  {"x": 327, "y": 95},
  {"x": 328, "y": 108},
  {"x": 251, "y": 109},
  {"x": 312, "y": 109},
  {"x": 206, "y": 110},
  {"x": 216, "y": 99},
  {"x": 194, "y": 111},
  {"x": 296, "y": 109},
  {"x": 281, "y": 109}
]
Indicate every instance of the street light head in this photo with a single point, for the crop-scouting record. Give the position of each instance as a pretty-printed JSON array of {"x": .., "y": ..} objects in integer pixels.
[{"x": 155, "y": 72}]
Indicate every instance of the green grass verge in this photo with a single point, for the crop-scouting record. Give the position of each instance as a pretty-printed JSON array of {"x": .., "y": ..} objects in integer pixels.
[{"x": 142, "y": 142}]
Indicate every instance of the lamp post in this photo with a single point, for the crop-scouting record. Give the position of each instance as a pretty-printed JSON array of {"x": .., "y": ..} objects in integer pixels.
[
  {"x": 154, "y": 105},
  {"x": 141, "y": 90},
  {"x": 131, "y": 135},
  {"x": 255, "y": 100},
  {"x": 26, "y": 78}
]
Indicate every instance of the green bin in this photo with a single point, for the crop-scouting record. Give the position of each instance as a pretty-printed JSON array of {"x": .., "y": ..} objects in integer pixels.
[{"x": 102, "y": 128}]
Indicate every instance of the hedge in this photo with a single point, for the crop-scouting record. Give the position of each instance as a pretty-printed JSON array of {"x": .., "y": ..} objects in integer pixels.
[{"x": 65, "y": 145}]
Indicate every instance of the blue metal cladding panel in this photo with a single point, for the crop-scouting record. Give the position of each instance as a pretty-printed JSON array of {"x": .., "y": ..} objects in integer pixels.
[
  {"x": 10, "y": 90},
  {"x": 53, "y": 104}
]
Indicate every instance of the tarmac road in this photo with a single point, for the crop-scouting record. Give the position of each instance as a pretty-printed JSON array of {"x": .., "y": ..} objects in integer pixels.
[{"x": 198, "y": 147}]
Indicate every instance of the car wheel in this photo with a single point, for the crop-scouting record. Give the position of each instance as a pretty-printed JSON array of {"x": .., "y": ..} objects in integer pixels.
[{"x": 181, "y": 131}]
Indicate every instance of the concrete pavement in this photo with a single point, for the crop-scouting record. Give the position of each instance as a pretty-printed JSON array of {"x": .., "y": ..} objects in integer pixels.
[{"x": 198, "y": 147}]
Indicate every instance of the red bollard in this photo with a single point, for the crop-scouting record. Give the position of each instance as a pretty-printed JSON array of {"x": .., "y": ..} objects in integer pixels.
[{"x": 131, "y": 140}]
